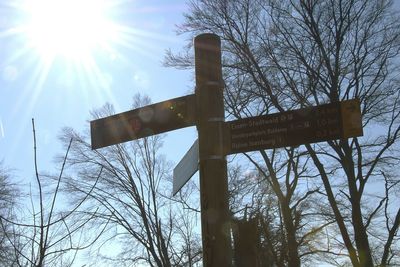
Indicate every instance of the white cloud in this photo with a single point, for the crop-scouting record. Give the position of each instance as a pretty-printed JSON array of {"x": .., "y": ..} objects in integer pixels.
[{"x": 141, "y": 79}]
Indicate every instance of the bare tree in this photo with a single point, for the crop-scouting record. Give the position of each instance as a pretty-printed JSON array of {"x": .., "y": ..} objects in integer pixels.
[
  {"x": 282, "y": 55},
  {"x": 46, "y": 236},
  {"x": 9, "y": 196},
  {"x": 129, "y": 199},
  {"x": 277, "y": 196}
]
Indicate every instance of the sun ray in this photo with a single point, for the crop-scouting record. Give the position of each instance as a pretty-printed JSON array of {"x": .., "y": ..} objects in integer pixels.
[
  {"x": 78, "y": 35},
  {"x": 33, "y": 87},
  {"x": 1, "y": 129},
  {"x": 92, "y": 74}
]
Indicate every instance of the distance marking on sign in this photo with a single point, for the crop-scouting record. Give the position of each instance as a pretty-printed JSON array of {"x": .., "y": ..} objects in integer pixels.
[{"x": 291, "y": 128}]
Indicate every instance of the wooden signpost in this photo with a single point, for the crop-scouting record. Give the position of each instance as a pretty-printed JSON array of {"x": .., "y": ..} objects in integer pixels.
[
  {"x": 142, "y": 122},
  {"x": 215, "y": 218},
  {"x": 292, "y": 128},
  {"x": 217, "y": 138}
]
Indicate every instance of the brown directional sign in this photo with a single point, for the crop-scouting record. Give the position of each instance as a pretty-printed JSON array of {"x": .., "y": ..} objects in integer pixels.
[
  {"x": 308, "y": 125},
  {"x": 142, "y": 122}
]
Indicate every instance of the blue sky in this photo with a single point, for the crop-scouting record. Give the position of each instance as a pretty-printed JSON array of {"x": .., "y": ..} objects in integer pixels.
[{"x": 61, "y": 91}]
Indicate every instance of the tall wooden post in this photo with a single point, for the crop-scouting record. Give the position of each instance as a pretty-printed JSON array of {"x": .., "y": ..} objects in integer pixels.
[{"x": 215, "y": 220}]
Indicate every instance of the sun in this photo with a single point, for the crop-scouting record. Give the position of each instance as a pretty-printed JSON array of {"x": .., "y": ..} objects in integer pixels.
[{"x": 69, "y": 28}]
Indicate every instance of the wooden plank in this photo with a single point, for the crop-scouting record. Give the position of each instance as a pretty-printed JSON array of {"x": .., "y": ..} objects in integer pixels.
[
  {"x": 142, "y": 122},
  {"x": 296, "y": 127}
]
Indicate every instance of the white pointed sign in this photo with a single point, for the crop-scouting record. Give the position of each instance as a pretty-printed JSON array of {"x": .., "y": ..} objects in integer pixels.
[{"x": 186, "y": 168}]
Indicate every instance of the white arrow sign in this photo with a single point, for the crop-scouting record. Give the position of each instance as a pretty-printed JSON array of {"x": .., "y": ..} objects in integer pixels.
[{"x": 185, "y": 169}]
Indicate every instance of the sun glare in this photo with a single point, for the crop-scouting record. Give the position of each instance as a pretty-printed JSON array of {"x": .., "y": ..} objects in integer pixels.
[
  {"x": 68, "y": 28},
  {"x": 72, "y": 44}
]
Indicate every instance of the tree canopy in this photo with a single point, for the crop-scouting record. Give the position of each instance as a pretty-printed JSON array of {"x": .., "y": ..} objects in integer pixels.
[{"x": 283, "y": 55}]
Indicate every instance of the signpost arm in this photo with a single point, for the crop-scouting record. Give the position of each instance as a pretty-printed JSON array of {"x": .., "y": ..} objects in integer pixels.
[{"x": 215, "y": 217}]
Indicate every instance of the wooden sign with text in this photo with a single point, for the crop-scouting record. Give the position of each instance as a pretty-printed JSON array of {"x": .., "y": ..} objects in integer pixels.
[
  {"x": 291, "y": 128},
  {"x": 142, "y": 122}
]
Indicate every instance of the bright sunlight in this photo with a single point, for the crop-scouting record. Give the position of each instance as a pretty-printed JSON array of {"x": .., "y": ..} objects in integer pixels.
[
  {"x": 68, "y": 28},
  {"x": 69, "y": 43}
]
